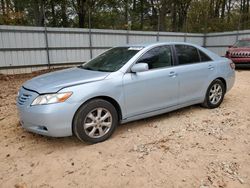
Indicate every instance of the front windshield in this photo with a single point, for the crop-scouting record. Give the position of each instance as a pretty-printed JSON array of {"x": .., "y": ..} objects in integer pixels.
[
  {"x": 242, "y": 43},
  {"x": 111, "y": 60}
]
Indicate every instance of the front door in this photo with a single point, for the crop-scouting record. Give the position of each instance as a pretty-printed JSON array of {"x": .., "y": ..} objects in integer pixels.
[{"x": 154, "y": 89}]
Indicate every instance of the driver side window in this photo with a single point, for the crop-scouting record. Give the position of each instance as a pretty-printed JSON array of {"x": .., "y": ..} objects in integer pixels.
[{"x": 157, "y": 57}]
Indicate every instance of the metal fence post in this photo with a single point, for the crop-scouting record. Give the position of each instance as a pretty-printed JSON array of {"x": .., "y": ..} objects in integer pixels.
[
  {"x": 127, "y": 37},
  {"x": 46, "y": 37},
  {"x": 205, "y": 40},
  {"x": 237, "y": 36},
  {"x": 158, "y": 24},
  {"x": 128, "y": 29},
  {"x": 90, "y": 44},
  {"x": 90, "y": 37},
  {"x": 185, "y": 37},
  {"x": 47, "y": 45}
]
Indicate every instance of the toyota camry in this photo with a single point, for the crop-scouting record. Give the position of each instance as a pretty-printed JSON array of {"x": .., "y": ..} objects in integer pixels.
[{"x": 123, "y": 84}]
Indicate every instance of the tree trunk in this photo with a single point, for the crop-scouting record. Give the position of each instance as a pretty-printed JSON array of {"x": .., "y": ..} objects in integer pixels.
[
  {"x": 126, "y": 12},
  {"x": 3, "y": 7},
  {"x": 211, "y": 9},
  {"x": 64, "y": 14},
  {"x": 217, "y": 9},
  {"x": 154, "y": 19},
  {"x": 223, "y": 9},
  {"x": 7, "y": 2},
  {"x": 229, "y": 10},
  {"x": 174, "y": 17},
  {"x": 141, "y": 14},
  {"x": 38, "y": 12},
  {"x": 53, "y": 13},
  {"x": 81, "y": 12},
  {"x": 134, "y": 5},
  {"x": 163, "y": 13}
]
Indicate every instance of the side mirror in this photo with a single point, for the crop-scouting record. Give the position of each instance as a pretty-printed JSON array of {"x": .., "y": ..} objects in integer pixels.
[
  {"x": 139, "y": 67},
  {"x": 230, "y": 46}
]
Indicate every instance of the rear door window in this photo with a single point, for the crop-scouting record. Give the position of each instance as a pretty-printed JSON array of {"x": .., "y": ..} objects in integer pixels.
[{"x": 187, "y": 54}]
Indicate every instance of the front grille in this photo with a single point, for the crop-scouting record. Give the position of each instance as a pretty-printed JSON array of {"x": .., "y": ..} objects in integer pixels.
[
  {"x": 23, "y": 98},
  {"x": 240, "y": 54}
]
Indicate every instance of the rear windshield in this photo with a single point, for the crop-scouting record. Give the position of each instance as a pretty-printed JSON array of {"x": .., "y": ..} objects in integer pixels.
[
  {"x": 111, "y": 60},
  {"x": 242, "y": 43}
]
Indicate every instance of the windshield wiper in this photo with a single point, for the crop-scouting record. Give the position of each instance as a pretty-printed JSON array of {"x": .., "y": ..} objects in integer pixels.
[
  {"x": 103, "y": 70},
  {"x": 87, "y": 68}
]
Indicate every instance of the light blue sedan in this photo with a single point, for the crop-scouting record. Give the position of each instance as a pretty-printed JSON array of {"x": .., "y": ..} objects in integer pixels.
[{"x": 123, "y": 84}]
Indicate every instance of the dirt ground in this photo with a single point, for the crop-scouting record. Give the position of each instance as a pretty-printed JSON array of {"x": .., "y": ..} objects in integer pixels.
[{"x": 191, "y": 147}]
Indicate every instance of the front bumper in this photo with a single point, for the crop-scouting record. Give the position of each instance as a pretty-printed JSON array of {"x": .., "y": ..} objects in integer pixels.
[
  {"x": 50, "y": 120},
  {"x": 241, "y": 60}
]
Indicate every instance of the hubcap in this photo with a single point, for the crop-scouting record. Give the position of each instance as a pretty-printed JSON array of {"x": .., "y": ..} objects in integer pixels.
[
  {"x": 97, "y": 123},
  {"x": 215, "y": 94}
]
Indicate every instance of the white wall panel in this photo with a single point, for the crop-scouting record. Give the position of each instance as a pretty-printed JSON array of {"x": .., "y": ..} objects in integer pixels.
[
  {"x": 195, "y": 40},
  {"x": 220, "y": 40},
  {"x": 5, "y": 39},
  {"x": 98, "y": 52},
  {"x": 2, "y": 59},
  {"x": 68, "y": 40},
  {"x": 63, "y": 56},
  {"x": 244, "y": 36},
  {"x": 137, "y": 39},
  {"x": 171, "y": 39},
  {"x": 218, "y": 50},
  {"x": 64, "y": 43},
  {"x": 1, "y": 40},
  {"x": 107, "y": 40}
]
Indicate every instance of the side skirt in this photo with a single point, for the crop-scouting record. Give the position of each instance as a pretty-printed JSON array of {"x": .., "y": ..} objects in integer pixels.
[{"x": 158, "y": 112}]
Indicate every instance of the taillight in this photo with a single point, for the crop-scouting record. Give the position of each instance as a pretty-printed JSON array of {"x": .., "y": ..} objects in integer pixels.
[{"x": 232, "y": 65}]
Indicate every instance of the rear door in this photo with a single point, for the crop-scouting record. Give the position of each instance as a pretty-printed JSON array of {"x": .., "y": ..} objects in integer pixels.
[{"x": 194, "y": 69}]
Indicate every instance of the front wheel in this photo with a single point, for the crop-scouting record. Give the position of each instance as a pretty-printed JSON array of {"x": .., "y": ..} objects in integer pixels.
[
  {"x": 215, "y": 94},
  {"x": 95, "y": 121}
]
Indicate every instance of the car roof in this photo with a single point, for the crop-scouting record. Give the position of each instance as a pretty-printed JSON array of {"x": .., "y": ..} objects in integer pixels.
[
  {"x": 146, "y": 46},
  {"x": 156, "y": 44},
  {"x": 245, "y": 39}
]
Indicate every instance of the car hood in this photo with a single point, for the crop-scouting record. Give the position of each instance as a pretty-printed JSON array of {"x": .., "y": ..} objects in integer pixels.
[
  {"x": 239, "y": 49},
  {"x": 54, "y": 81}
]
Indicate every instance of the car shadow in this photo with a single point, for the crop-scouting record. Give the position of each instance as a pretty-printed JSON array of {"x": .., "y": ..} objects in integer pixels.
[
  {"x": 242, "y": 67},
  {"x": 72, "y": 141},
  {"x": 134, "y": 124}
]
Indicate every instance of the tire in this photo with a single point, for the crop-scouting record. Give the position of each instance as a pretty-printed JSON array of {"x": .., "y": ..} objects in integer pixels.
[
  {"x": 215, "y": 94},
  {"x": 95, "y": 121}
]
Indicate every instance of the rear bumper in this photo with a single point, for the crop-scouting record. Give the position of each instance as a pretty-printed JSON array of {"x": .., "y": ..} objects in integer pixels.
[{"x": 230, "y": 79}]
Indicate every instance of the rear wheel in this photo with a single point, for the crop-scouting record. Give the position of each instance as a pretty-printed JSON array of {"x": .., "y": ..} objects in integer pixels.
[
  {"x": 215, "y": 94},
  {"x": 95, "y": 121}
]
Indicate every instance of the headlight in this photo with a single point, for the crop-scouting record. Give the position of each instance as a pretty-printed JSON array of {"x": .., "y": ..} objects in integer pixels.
[{"x": 51, "y": 98}]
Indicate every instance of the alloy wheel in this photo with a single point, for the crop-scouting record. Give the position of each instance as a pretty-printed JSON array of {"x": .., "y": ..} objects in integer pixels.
[
  {"x": 215, "y": 94},
  {"x": 97, "y": 123}
]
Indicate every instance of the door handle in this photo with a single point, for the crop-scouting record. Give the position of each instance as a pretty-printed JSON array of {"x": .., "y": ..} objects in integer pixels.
[
  {"x": 210, "y": 67},
  {"x": 172, "y": 74}
]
